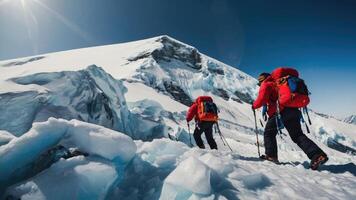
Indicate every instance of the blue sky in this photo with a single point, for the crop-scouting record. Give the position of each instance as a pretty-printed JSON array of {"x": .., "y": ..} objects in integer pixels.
[{"x": 316, "y": 37}]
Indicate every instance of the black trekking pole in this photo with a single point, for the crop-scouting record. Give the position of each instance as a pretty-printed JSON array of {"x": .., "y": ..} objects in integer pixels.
[
  {"x": 303, "y": 121},
  {"x": 216, "y": 131},
  {"x": 306, "y": 111},
  {"x": 256, "y": 130},
  {"x": 223, "y": 139},
  {"x": 190, "y": 137}
]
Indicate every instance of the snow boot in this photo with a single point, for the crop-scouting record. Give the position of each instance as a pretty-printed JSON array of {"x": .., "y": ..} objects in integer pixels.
[
  {"x": 269, "y": 158},
  {"x": 318, "y": 160}
]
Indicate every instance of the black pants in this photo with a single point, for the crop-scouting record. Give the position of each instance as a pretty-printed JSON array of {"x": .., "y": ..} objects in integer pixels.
[
  {"x": 291, "y": 121},
  {"x": 207, "y": 128}
]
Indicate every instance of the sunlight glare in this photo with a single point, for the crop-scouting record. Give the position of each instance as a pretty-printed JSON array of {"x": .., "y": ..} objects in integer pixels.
[
  {"x": 23, "y": 3},
  {"x": 69, "y": 24}
]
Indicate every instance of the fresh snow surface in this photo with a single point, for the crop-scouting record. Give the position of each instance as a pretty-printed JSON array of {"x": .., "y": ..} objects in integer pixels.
[
  {"x": 125, "y": 106},
  {"x": 192, "y": 173}
]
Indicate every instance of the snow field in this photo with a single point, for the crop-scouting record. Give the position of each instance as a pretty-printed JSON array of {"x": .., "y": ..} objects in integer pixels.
[{"x": 192, "y": 173}]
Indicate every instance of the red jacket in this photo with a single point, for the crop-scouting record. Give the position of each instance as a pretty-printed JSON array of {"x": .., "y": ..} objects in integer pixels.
[
  {"x": 192, "y": 112},
  {"x": 267, "y": 94}
]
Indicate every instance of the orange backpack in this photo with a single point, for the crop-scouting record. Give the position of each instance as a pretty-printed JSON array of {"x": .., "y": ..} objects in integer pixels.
[{"x": 207, "y": 109}]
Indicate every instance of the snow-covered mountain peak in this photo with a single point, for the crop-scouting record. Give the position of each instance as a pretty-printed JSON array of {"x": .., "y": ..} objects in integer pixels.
[
  {"x": 160, "y": 62},
  {"x": 172, "y": 49}
]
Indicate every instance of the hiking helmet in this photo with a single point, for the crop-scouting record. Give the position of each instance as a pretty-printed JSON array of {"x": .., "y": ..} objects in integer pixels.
[{"x": 262, "y": 77}]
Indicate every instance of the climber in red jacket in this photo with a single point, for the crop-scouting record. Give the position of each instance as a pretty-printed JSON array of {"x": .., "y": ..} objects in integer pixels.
[
  {"x": 206, "y": 115},
  {"x": 267, "y": 95},
  {"x": 289, "y": 117}
]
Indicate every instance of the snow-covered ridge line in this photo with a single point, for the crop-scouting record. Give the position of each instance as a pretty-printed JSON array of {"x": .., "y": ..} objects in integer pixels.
[
  {"x": 41, "y": 56},
  {"x": 28, "y": 59}
]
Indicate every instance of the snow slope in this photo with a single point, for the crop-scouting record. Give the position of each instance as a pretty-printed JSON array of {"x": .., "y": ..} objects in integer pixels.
[{"x": 142, "y": 89}]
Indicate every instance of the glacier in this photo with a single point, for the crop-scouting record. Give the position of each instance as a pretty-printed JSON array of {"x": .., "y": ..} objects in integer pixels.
[{"x": 123, "y": 106}]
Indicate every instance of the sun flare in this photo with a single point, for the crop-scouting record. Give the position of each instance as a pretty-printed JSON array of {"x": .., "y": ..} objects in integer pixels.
[
  {"x": 30, "y": 11},
  {"x": 23, "y": 3}
]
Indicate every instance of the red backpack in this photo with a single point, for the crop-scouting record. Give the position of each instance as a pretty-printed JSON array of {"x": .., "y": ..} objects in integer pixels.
[
  {"x": 207, "y": 109},
  {"x": 291, "y": 89}
]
